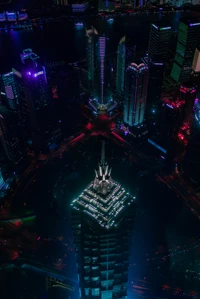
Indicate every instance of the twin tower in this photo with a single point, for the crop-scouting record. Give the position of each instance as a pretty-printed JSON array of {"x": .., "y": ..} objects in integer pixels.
[{"x": 130, "y": 86}]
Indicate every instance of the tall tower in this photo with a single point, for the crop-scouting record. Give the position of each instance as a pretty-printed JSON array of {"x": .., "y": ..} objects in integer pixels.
[
  {"x": 159, "y": 40},
  {"x": 91, "y": 36},
  {"x": 135, "y": 94},
  {"x": 102, "y": 219},
  {"x": 188, "y": 93},
  {"x": 125, "y": 55},
  {"x": 35, "y": 104},
  {"x": 188, "y": 40},
  {"x": 103, "y": 71}
]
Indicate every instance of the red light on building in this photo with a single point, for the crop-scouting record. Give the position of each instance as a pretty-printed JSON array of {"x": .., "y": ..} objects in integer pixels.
[{"x": 180, "y": 136}]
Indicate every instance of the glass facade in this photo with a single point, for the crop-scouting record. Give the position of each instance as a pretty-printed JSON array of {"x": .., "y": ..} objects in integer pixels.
[
  {"x": 188, "y": 38},
  {"x": 135, "y": 94},
  {"x": 103, "y": 71}
]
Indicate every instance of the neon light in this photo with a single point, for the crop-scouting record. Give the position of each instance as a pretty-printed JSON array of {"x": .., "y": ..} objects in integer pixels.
[
  {"x": 165, "y": 28},
  {"x": 194, "y": 24},
  {"x": 154, "y": 26},
  {"x": 157, "y": 146},
  {"x": 170, "y": 106},
  {"x": 29, "y": 73},
  {"x": 38, "y": 74}
]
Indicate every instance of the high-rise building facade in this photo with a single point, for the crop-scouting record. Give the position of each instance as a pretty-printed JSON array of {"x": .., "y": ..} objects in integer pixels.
[
  {"x": 125, "y": 55},
  {"x": 102, "y": 219},
  {"x": 135, "y": 94},
  {"x": 91, "y": 34},
  {"x": 188, "y": 40},
  {"x": 9, "y": 89},
  {"x": 159, "y": 41},
  {"x": 104, "y": 69},
  {"x": 37, "y": 117},
  {"x": 10, "y": 135}
]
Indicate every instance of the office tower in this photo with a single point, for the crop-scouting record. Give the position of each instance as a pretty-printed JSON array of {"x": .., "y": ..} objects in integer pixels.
[
  {"x": 104, "y": 70},
  {"x": 196, "y": 61},
  {"x": 37, "y": 117},
  {"x": 1, "y": 179},
  {"x": 91, "y": 38},
  {"x": 9, "y": 90},
  {"x": 135, "y": 94},
  {"x": 188, "y": 40},
  {"x": 159, "y": 41},
  {"x": 188, "y": 92},
  {"x": 125, "y": 55},
  {"x": 10, "y": 135},
  {"x": 102, "y": 220}
]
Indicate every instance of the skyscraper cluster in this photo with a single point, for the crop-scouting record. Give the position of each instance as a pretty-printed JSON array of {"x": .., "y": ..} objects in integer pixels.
[{"x": 27, "y": 120}]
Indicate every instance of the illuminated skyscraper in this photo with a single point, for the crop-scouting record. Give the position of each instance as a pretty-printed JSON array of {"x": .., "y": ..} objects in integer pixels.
[
  {"x": 159, "y": 40},
  {"x": 10, "y": 135},
  {"x": 102, "y": 219},
  {"x": 104, "y": 69},
  {"x": 91, "y": 37},
  {"x": 125, "y": 55},
  {"x": 35, "y": 104},
  {"x": 135, "y": 94},
  {"x": 188, "y": 40},
  {"x": 9, "y": 90}
]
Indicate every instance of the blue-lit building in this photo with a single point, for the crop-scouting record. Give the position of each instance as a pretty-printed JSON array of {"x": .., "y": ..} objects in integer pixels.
[
  {"x": 104, "y": 71},
  {"x": 103, "y": 219},
  {"x": 9, "y": 90},
  {"x": 125, "y": 55},
  {"x": 135, "y": 94}
]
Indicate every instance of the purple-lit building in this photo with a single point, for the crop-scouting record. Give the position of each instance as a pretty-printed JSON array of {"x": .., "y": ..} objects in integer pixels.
[
  {"x": 104, "y": 69},
  {"x": 37, "y": 117},
  {"x": 80, "y": 6}
]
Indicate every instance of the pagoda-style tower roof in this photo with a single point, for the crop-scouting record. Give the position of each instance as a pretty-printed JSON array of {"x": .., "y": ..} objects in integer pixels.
[{"x": 103, "y": 199}]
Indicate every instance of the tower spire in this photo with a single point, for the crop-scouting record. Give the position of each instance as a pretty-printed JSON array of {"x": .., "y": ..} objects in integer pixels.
[{"x": 103, "y": 153}]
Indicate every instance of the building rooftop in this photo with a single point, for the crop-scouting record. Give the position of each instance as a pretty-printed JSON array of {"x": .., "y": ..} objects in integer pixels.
[
  {"x": 195, "y": 21},
  {"x": 103, "y": 199},
  {"x": 161, "y": 26}
]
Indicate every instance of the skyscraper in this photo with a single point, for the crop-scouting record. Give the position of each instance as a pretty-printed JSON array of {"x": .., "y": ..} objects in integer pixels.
[
  {"x": 103, "y": 71},
  {"x": 102, "y": 219},
  {"x": 91, "y": 37},
  {"x": 135, "y": 94},
  {"x": 125, "y": 55},
  {"x": 188, "y": 40},
  {"x": 35, "y": 103},
  {"x": 9, "y": 88},
  {"x": 10, "y": 135},
  {"x": 159, "y": 40}
]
